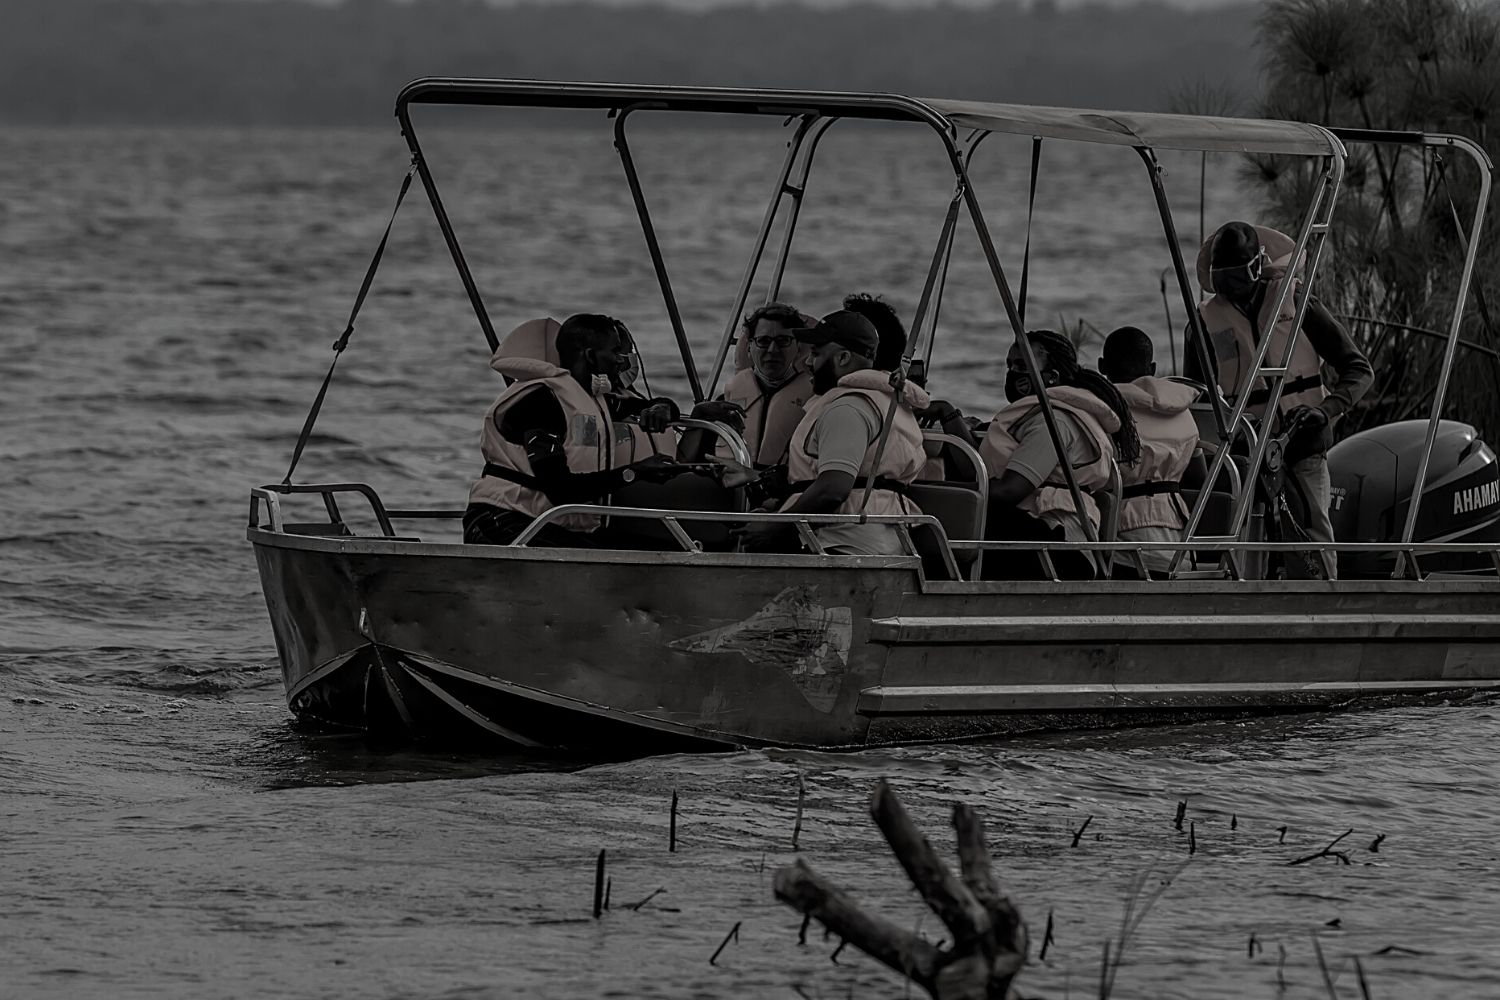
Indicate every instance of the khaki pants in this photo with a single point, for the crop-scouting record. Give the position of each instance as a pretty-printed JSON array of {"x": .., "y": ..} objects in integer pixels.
[{"x": 1311, "y": 478}]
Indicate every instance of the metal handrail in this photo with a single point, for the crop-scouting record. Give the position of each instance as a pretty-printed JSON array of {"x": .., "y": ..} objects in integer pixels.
[
  {"x": 737, "y": 446},
  {"x": 267, "y": 495},
  {"x": 804, "y": 524}
]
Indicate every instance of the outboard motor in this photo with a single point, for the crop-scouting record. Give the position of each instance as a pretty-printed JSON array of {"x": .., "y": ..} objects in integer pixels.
[{"x": 1373, "y": 473}]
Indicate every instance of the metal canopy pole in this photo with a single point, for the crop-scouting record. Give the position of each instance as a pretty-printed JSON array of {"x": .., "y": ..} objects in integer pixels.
[
  {"x": 805, "y": 123},
  {"x": 997, "y": 273},
  {"x": 674, "y": 315},
  {"x": 1471, "y": 251},
  {"x": 972, "y": 146},
  {"x": 1184, "y": 283},
  {"x": 1310, "y": 241},
  {"x": 403, "y": 116},
  {"x": 797, "y": 191}
]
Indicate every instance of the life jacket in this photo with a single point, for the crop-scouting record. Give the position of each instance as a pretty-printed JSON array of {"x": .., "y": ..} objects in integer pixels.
[
  {"x": 594, "y": 441},
  {"x": 770, "y": 417},
  {"x": 901, "y": 461},
  {"x": 1098, "y": 422},
  {"x": 535, "y": 339},
  {"x": 1235, "y": 339},
  {"x": 1169, "y": 436}
]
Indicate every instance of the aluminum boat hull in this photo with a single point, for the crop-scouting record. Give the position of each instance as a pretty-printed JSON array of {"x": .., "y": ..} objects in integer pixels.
[{"x": 637, "y": 651}]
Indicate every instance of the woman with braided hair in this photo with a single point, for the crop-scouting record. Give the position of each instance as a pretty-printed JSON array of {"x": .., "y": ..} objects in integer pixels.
[{"x": 1029, "y": 495}]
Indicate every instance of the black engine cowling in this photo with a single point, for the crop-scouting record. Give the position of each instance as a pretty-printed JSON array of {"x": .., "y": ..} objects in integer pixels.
[{"x": 1373, "y": 473}]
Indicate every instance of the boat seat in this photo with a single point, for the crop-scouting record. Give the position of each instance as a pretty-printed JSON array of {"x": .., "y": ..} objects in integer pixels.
[
  {"x": 685, "y": 492},
  {"x": 959, "y": 502},
  {"x": 959, "y": 509}
]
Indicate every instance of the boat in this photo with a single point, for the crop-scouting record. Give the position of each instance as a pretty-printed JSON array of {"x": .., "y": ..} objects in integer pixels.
[{"x": 693, "y": 648}]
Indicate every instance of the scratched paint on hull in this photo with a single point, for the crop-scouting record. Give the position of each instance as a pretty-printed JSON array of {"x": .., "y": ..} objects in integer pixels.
[{"x": 794, "y": 633}]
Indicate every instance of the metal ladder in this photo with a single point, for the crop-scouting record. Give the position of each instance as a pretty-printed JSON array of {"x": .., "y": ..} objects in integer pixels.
[{"x": 1310, "y": 242}]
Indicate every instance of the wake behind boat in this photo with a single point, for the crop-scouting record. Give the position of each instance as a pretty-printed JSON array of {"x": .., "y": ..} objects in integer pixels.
[{"x": 706, "y": 647}]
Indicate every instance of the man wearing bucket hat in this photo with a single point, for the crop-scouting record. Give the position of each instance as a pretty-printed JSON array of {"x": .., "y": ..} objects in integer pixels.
[{"x": 1244, "y": 267}]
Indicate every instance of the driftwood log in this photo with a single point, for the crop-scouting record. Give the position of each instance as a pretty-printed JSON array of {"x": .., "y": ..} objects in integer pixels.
[{"x": 988, "y": 936}]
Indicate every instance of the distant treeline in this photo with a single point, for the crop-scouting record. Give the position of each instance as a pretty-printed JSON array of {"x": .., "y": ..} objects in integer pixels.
[{"x": 289, "y": 62}]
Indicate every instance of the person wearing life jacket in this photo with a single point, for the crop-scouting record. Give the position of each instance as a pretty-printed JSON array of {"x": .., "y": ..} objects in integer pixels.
[
  {"x": 938, "y": 413},
  {"x": 565, "y": 433},
  {"x": 765, "y": 397},
  {"x": 843, "y": 445},
  {"x": 1029, "y": 495},
  {"x": 1153, "y": 509},
  {"x": 1244, "y": 268}
]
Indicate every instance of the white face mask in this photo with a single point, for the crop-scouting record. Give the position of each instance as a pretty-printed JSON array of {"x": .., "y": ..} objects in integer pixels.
[
  {"x": 599, "y": 385},
  {"x": 632, "y": 371}
]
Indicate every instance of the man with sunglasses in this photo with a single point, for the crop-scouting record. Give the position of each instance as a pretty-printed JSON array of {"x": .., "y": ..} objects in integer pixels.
[
  {"x": 1244, "y": 267},
  {"x": 764, "y": 398}
]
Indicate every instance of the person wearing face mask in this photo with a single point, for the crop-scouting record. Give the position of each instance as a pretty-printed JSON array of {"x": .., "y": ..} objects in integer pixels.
[
  {"x": 938, "y": 413},
  {"x": 1029, "y": 495},
  {"x": 1153, "y": 508},
  {"x": 836, "y": 451},
  {"x": 1244, "y": 268},
  {"x": 566, "y": 433}
]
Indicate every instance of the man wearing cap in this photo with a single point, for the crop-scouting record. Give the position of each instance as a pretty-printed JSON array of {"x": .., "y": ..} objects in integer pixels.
[
  {"x": 843, "y": 444},
  {"x": 1244, "y": 267}
]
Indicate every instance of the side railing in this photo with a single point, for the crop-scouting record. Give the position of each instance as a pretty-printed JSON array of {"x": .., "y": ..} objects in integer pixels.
[
  {"x": 805, "y": 525},
  {"x": 268, "y": 499}
]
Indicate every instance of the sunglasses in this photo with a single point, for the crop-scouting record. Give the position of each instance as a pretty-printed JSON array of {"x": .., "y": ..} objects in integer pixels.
[{"x": 782, "y": 340}]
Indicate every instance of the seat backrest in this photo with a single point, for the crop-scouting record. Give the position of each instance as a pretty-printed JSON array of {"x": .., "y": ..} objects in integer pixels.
[{"x": 960, "y": 504}]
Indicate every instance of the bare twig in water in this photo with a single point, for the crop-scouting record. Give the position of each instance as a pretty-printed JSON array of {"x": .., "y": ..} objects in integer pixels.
[
  {"x": 1181, "y": 812},
  {"x": 1323, "y": 968},
  {"x": 1192, "y": 838},
  {"x": 734, "y": 934},
  {"x": 801, "y": 795},
  {"x": 989, "y": 937},
  {"x": 642, "y": 902},
  {"x": 1396, "y": 949},
  {"x": 1280, "y": 967},
  {"x": 1078, "y": 833},
  {"x": 1136, "y": 909},
  {"x": 599, "y": 885},
  {"x": 1375, "y": 844},
  {"x": 1364, "y": 987},
  {"x": 1046, "y": 938},
  {"x": 609, "y": 885},
  {"x": 1252, "y": 947},
  {"x": 1327, "y": 852},
  {"x": 672, "y": 828},
  {"x": 1281, "y": 835}
]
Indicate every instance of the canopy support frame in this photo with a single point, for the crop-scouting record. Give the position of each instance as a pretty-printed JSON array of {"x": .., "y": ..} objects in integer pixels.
[
  {"x": 1450, "y": 350},
  {"x": 807, "y": 124},
  {"x": 1311, "y": 239},
  {"x": 653, "y": 246}
]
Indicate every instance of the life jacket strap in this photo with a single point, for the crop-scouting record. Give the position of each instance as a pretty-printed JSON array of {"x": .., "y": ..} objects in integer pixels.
[
  {"x": 1151, "y": 489},
  {"x": 1294, "y": 386},
  {"x": 512, "y": 475},
  {"x": 880, "y": 483}
]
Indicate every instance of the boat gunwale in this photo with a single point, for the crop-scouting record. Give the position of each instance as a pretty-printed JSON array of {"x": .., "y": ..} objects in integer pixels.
[{"x": 357, "y": 545}]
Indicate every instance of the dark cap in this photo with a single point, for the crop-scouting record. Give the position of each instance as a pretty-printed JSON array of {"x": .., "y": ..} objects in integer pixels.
[{"x": 845, "y": 328}]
